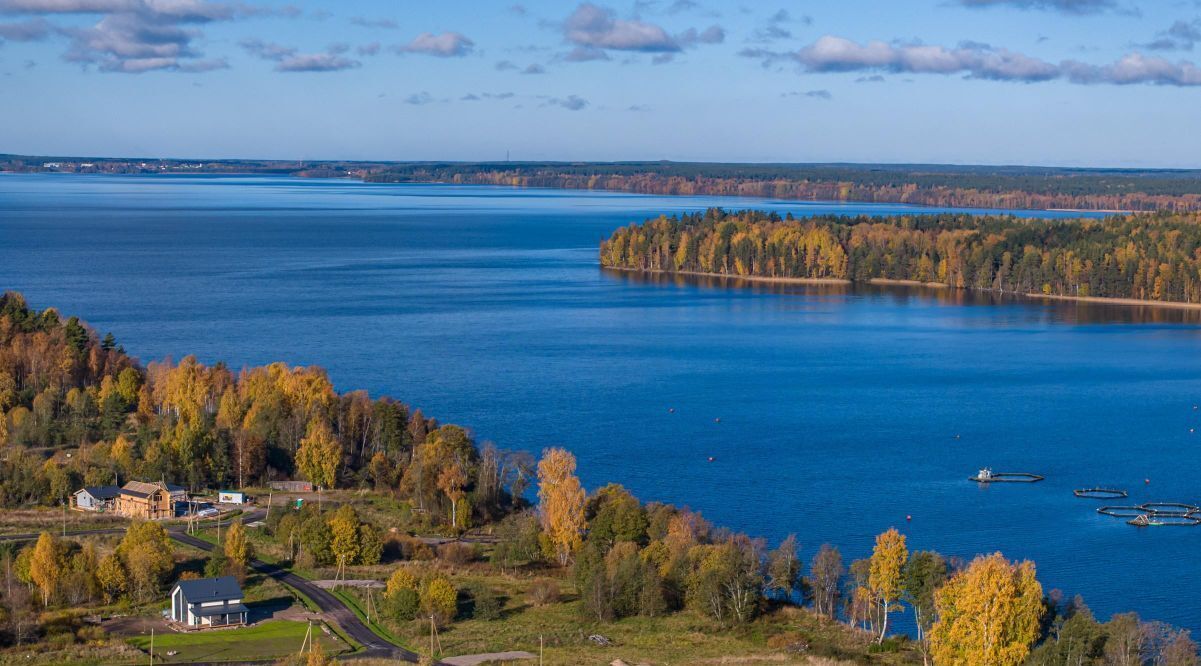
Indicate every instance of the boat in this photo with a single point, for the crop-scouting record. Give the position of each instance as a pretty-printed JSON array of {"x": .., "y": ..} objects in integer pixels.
[{"x": 986, "y": 475}]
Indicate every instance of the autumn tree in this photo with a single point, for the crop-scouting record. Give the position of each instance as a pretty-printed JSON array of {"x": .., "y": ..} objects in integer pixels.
[
  {"x": 988, "y": 613},
  {"x": 401, "y": 595},
  {"x": 110, "y": 573},
  {"x": 439, "y": 599},
  {"x": 784, "y": 568},
  {"x": 319, "y": 455},
  {"x": 825, "y": 579},
  {"x": 451, "y": 482},
  {"x": 147, "y": 555},
  {"x": 46, "y": 566},
  {"x": 238, "y": 549},
  {"x": 344, "y": 530},
  {"x": 561, "y": 502},
  {"x": 886, "y": 577}
]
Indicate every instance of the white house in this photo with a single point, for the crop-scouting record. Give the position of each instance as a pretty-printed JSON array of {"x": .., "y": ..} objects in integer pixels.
[
  {"x": 208, "y": 602},
  {"x": 96, "y": 498}
]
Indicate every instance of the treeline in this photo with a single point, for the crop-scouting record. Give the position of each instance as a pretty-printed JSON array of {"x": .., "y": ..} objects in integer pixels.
[
  {"x": 63, "y": 389},
  {"x": 928, "y": 185},
  {"x": 1149, "y": 257}
]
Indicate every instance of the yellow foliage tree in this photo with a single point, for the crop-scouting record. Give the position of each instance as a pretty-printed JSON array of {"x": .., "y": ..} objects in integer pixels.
[
  {"x": 320, "y": 454},
  {"x": 885, "y": 579},
  {"x": 401, "y": 579},
  {"x": 561, "y": 502},
  {"x": 451, "y": 482},
  {"x": 238, "y": 549},
  {"x": 111, "y": 576},
  {"x": 46, "y": 566},
  {"x": 439, "y": 600},
  {"x": 987, "y": 614}
]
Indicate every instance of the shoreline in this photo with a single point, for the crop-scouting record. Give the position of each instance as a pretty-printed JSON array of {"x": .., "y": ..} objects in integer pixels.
[{"x": 889, "y": 282}]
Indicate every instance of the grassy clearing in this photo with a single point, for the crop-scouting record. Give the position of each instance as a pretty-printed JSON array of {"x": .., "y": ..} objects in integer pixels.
[
  {"x": 266, "y": 640},
  {"x": 679, "y": 638},
  {"x": 23, "y": 521}
]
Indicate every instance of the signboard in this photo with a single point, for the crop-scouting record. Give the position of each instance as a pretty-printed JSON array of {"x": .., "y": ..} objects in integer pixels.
[{"x": 230, "y": 497}]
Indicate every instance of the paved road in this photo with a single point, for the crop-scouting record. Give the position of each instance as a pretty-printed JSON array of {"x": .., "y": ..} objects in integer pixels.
[{"x": 331, "y": 607}]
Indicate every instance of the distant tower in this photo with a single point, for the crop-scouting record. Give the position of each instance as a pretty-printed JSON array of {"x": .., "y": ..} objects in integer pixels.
[{"x": 506, "y": 155}]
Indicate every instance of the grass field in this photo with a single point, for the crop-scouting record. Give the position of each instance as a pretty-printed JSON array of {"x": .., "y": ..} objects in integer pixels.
[
  {"x": 270, "y": 639},
  {"x": 679, "y": 638}
]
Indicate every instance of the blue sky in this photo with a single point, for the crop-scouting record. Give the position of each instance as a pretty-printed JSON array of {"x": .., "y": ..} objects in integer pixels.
[{"x": 1060, "y": 82}]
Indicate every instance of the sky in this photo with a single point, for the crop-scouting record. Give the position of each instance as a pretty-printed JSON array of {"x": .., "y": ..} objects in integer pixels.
[{"x": 1099, "y": 83}]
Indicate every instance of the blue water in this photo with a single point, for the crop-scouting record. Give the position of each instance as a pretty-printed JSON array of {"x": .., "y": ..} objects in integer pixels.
[{"x": 486, "y": 307}]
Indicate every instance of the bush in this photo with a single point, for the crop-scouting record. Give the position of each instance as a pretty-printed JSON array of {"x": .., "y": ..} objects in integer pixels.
[
  {"x": 544, "y": 592},
  {"x": 439, "y": 599},
  {"x": 416, "y": 549},
  {"x": 403, "y": 605},
  {"x": 484, "y": 604},
  {"x": 216, "y": 565},
  {"x": 456, "y": 552}
]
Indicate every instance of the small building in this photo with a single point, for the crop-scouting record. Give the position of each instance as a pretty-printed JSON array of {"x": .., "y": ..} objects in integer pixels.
[
  {"x": 96, "y": 498},
  {"x": 177, "y": 493},
  {"x": 145, "y": 501},
  {"x": 208, "y": 602},
  {"x": 292, "y": 486},
  {"x": 231, "y": 497}
]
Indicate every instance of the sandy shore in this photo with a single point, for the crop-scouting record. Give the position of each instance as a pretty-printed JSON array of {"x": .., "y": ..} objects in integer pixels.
[
  {"x": 908, "y": 283},
  {"x": 748, "y": 278},
  {"x": 1175, "y": 305},
  {"x": 1100, "y": 300}
]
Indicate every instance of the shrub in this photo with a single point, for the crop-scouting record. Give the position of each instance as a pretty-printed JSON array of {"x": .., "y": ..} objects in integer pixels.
[
  {"x": 439, "y": 599},
  {"x": 416, "y": 549},
  {"x": 403, "y": 605},
  {"x": 484, "y": 603},
  {"x": 543, "y": 592},
  {"x": 456, "y": 552}
]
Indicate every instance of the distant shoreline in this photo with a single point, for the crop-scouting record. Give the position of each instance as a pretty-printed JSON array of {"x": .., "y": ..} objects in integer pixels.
[{"x": 888, "y": 282}]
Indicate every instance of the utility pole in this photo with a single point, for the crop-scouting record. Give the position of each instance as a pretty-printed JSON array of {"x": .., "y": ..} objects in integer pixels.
[{"x": 151, "y": 646}]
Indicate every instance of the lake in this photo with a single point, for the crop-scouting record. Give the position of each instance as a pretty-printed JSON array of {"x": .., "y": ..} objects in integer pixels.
[{"x": 842, "y": 410}]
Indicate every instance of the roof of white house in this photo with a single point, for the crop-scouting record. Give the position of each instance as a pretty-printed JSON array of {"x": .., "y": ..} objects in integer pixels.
[{"x": 203, "y": 590}]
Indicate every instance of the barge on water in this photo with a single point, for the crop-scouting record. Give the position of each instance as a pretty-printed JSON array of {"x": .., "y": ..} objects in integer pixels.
[{"x": 986, "y": 475}]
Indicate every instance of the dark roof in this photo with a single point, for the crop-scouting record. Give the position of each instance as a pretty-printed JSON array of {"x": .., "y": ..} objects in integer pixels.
[
  {"x": 210, "y": 611},
  {"x": 203, "y": 590},
  {"x": 172, "y": 488},
  {"x": 101, "y": 492}
]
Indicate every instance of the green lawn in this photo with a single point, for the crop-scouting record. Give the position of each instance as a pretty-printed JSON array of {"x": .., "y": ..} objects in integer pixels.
[{"x": 269, "y": 639}]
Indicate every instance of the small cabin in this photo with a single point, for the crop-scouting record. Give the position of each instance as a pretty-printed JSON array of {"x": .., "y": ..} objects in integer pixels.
[
  {"x": 96, "y": 498},
  {"x": 205, "y": 603}
]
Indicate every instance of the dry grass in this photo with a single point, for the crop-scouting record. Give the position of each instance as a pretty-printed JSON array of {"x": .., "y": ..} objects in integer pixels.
[{"x": 21, "y": 521}]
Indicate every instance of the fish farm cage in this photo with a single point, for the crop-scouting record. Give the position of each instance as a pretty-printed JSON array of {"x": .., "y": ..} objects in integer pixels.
[{"x": 1101, "y": 493}]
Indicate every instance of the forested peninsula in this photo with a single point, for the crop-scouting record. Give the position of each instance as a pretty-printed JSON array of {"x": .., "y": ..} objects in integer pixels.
[{"x": 1145, "y": 257}]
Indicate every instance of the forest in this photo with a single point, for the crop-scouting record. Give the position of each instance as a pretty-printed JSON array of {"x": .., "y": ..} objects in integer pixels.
[
  {"x": 1019, "y": 187},
  {"x": 1153, "y": 257},
  {"x": 928, "y": 185}
]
